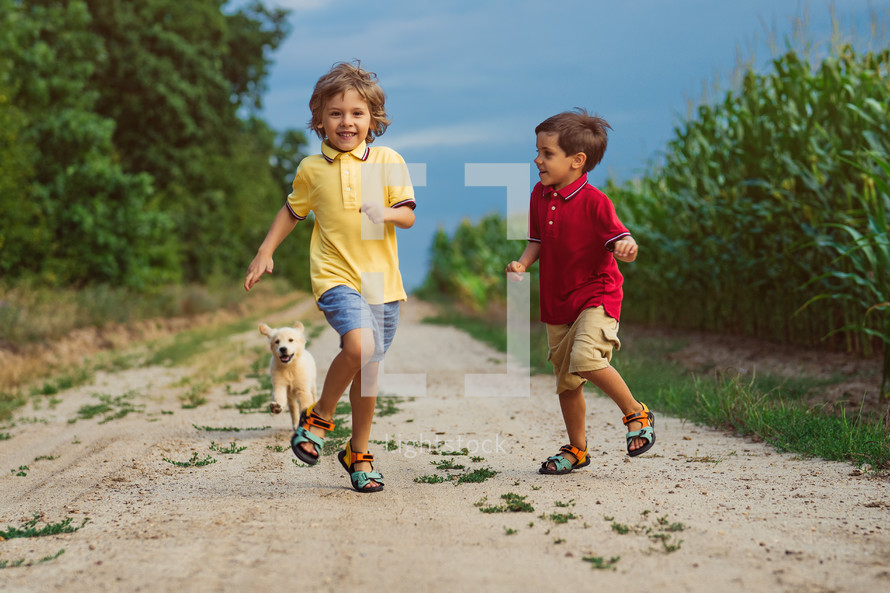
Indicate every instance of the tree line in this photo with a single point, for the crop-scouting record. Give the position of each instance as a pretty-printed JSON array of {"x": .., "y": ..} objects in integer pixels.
[{"x": 131, "y": 150}]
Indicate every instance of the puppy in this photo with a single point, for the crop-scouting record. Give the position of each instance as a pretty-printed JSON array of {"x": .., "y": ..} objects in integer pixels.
[{"x": 292, "y": 370}]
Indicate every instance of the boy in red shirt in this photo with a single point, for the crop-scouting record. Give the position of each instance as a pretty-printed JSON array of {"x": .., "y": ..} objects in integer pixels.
[{"x": 576, "y": 235}]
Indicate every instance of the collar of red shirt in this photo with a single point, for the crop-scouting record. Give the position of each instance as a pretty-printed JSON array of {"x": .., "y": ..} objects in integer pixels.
[
  {"x": 330, "y": 153},
  {"x": 569, "y": 191}
]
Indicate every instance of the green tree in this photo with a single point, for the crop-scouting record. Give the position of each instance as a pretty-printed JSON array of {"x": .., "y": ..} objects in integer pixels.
[
  {"x": 125, "y": 150},
  {"x": 176, "y": 75},
  {"x": 20, "y": 216},
  {"x": 88, "y": 219}
]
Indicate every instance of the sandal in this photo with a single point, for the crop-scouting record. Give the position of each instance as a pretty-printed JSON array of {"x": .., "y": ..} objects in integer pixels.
[
  {"x": 563, "y": 465},
  {"x": 360, "y": 480},
  {"x": 647, "y": 432},
  {"x": 302, "y": 435}
]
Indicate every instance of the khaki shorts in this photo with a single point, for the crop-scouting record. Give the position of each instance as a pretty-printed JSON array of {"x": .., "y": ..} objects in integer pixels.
[{"x": 585, "y": 345}]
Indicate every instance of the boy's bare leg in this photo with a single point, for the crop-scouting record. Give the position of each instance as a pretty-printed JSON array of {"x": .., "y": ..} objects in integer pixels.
[
  {"x": 574, "y": 413},
  {"x": 610, "y": 382},
  {"x": 363, "y": 399},
  {"x": 358, "y": 347}
]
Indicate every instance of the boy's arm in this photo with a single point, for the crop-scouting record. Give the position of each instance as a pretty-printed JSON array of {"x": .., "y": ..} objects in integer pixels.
[
  {"x": 262, "y": 263},
  {"x": 402, "y": 217},
  {"x": 625, "y": 249},
  {"x": 515, "y": 269}
]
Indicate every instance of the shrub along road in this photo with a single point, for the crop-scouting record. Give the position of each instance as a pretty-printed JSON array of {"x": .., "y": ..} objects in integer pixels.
[{"x": 209, "y": 499}]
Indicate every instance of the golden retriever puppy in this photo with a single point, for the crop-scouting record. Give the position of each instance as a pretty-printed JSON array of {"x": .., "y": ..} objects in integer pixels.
[{"x": 292, "y": 370}]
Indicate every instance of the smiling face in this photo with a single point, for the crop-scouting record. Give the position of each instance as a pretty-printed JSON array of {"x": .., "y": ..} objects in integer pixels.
[
  {"x": 345, "y": 120},
  {"x": 556, "y": 168}
]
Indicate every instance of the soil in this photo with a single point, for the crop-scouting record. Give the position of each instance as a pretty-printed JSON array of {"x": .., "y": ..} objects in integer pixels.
[{"x": 703, "y": 511}]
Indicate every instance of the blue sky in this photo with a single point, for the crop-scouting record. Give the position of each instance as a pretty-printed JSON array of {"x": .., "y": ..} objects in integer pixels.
[{"x": 468, "y": 81}]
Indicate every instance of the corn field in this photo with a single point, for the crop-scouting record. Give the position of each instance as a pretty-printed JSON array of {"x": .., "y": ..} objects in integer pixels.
[{"x": 767, "y": 215}]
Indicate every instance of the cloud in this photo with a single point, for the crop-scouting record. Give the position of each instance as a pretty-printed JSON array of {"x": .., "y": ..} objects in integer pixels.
[
  {"x": 458, "y": 134},
  {"x": 300, "y": 5}
]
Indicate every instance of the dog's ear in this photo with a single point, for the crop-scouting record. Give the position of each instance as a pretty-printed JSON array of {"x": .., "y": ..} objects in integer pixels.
[
  {"x": 299, "y": 325},
  {"x": 265, "y": 330}
]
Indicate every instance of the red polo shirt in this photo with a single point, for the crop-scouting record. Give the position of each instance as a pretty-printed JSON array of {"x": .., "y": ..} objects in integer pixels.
[{"x": 576, "y": 227}]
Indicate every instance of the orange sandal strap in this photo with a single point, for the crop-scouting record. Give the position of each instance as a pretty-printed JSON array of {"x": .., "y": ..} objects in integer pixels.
[
  {"x": 356, "y": 457},
  {"x": 578, "y": 453},
  {"x": 310, "y": 418},
  {"x": 644, "y": 417}
]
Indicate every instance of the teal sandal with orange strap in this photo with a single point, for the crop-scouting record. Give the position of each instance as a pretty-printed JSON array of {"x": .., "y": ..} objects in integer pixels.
[
  {"x": 302, "y": 435},
  {"x": 647, "y": 432},
  {"x": 360, "y": 480},
  {"x": 563, "y": 465}
]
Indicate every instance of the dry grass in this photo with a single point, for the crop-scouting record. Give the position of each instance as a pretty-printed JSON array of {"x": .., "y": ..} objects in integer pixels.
[{"x": 25, "y": 364}]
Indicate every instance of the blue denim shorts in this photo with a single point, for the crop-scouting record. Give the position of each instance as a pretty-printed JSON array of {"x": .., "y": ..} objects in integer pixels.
[{"x": 346, "y": 309}]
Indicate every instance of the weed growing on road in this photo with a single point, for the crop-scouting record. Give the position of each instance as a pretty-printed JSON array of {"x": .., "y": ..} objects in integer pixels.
[
  {"x": 447, "y": 464},
  {"x": 476, "y": 476},
  {"x": 429, "y": 479},
  {"x": 601, "y": 563},
  {"x": 709, "y": 458},
  {"x": 386, "y": 405},
  {"x": 110, "y": 408},
  {"x": 23, "y": 562},
  {"x": 437, "y": 451},
  {"x": 513, "y": 503},
  {"x": 254, "y": 404},
  {"x": 390, "y": 445},
  {"x": 192, "y": 462},
  {"x": 560, "y": 517},
  {"x": 662, "y": 531},
  {"x": 227, "y": 428},
  {"x": 22, "y": 471},
  {"x": 29, "y": 528},
  {"x": 232, "y": 449},
  {"x": 194, "y": 397}
]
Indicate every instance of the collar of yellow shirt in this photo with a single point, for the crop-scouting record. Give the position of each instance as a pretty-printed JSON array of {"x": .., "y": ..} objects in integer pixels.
[{"x": 330, "y": 153}]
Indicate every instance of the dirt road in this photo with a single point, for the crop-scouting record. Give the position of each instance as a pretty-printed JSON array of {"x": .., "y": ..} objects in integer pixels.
[{"x": 705, "y": 512}]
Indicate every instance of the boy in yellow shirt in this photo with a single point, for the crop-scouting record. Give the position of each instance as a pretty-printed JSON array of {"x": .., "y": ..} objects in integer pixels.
[{"x": 359, "y": 195}]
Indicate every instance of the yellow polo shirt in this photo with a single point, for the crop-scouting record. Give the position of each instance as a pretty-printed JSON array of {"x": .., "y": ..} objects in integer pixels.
[{"x": 345, "y": 244}]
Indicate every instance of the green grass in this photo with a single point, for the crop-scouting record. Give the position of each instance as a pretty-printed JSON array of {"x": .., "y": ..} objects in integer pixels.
[{"x": 760, "y": 406}]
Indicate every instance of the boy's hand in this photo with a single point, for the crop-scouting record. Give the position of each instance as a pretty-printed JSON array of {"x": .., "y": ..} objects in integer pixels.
[
  {"x": 260, "y": 265},
  {"x": 625, "y": 249},
  {"x": 376, "y": 212},
  {"x": 515, "y": 271}
]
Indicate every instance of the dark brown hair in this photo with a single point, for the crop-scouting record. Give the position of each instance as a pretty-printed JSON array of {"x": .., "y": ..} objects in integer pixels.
[
  {"x": 578, "y": 131},
  {"x": 342, "y": 77}
]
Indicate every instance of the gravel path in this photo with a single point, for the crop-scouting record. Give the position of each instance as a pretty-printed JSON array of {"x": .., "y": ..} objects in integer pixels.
[{"x": 704, "y": 512}]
